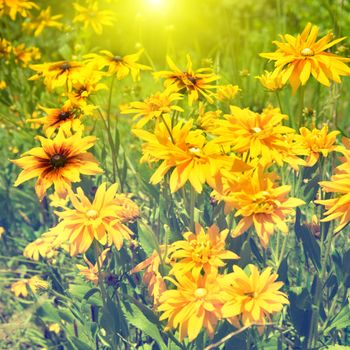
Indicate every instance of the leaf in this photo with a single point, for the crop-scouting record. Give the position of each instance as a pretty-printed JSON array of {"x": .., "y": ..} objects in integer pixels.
[
  {"x": 339, "y": 321},
  {"x": 310, "y": 245},
  {"x": 147, "y": 238},
  {"x": 138, "y": 319}
]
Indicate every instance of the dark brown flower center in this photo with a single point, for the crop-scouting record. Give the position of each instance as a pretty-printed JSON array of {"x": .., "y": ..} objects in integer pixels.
[
  {"x": 58, "y": 160},
  {"x": 65, "y": 66},
  {"x": 117, "y": 59},
  {"x": 63, "y": 115},
  {"x": 192, "y": 79}
]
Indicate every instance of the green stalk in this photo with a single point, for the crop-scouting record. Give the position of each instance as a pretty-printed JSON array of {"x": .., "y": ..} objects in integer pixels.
[
  {"x": 279, "y": 100},
  {"x": 301, "y": 106},
  {"x": 168, "y": 129},
  {"x": 192, "y": 206},
  {"x": 100, "y": 279}
]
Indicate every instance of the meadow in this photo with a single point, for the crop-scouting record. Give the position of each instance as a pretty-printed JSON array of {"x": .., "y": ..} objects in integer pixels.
[{"x": 174, "y": 174}]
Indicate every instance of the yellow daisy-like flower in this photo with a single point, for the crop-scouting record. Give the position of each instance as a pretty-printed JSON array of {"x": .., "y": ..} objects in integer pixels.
[
  {"x": 227, "y": 92},
  {"x": 90, "y": 273},
  {"x": 195, "y": 303},
  {"x": 152, "y": 107},
  {"x": 201, "y": 251},
  {"x": 208, "y": 120},
  {"x": 25, "y": 54},
  {"x": 271, "y": 81},
  {"x": 254, "y": 297},
  {"x": 262, "y": 135},
  {"x": 102, "y": 219},
  {"x": 2, "y": 231},
  {"x": 44, "y": 20},
  {"x": 5, "y": 49},
  {"x": 299, "y": 57},
  {"x": 185, "y": 151},
  {"x": 55, "y": 328},
  {"x": 58, "y": 74},
  {"x": 259, "y": 203},
  {"x": 65, "y": 118},
  {"x": 193, "y": 82},
  {"x": 22, "y": 7},
  {"x": 58, "y": 162},
  {"x": 22, "y": 287},
  {"x": 121, "y": 66},
  {"x": 92, "y": 17},
  {"x": 318, "y": 142}
]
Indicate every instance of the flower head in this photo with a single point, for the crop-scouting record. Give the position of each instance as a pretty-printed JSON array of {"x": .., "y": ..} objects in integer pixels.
[
  {"x": 103, "y": 219},
  {"x": 25, "y": 54},
  {"x": 271, "y": 81},
  {"x": 227, "y": 92},
  {"x": 22, "y": 287},
  {"x": 195, "y": 303},
  {"x": 299, "y": 57},
  {"x": 201, "y": 251},
  {"x": 254, "y": 297},
  {"x": 58, "y": 162},
  {"x": 22, "y": 7},
  {"x": 193, "y": 82}
]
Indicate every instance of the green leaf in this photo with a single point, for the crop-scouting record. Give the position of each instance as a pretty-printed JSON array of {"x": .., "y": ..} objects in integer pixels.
[
  {"x": 148, "y": 239},
  {"x": 339, "y": 321},
  {"x": 138, "y": 319}
]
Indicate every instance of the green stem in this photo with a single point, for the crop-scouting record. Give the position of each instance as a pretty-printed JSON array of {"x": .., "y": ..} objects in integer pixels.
[
  {"x": 167, "y": 127},
  {"x": 279, "y": 100},
  {"x": 283, "y": 249},
  {"x": 192, "y": 206},
  {"x": 99, "y": 272},
  {"x": 301, "y": 107}
]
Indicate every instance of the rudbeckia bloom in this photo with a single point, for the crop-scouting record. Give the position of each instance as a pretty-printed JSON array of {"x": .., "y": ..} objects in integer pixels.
[
  {"x": 195, "y": 303},
  {"x": 65, "y": 118},
  {"x": 193, "y": 82},
  {"x": 93, "y": 17},
  {"x": 22, "y": 7},
  {"x": 5, "y": 49},
  {"x": 227, "y": 92},
  {"x": 262, "y": 135},
  {"x": 152, "y": 107},
  {"x": 318, "y": 142},
  {"x": 90, "y": 273},
  {"x": 201, "y": 251},
  {"x": 102, "y": 219},
  {"x": 271, "y": 81},
  {"x": 298, "y": 57},
  {"x": 58, "y": 74},
  {"x": 121, "y": 66},
  {"x": 254, "y": 297},
  {"x": 186, "y": 152},
  {"x": 44, "y": 20},
  {"x": 22, "y": 287},
  {"x": 259, "y": 203},
  {"x": 58, "y": 162},
  {"x": 25, "y": 54}
]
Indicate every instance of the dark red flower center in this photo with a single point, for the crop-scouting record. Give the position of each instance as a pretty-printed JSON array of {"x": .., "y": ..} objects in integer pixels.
[
  {"x": 63, "y": 115},
  {"x": 58, "y": 160}
]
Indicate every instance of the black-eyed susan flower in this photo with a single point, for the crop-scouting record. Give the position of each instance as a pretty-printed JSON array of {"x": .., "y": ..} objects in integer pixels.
[
  {"x": 5, "y": 49},
  {"x": 253, "y": 297},
  {"x": 226, "y": 93},
  {"x": 103, "y": 219},
  {"x": 25, "y": 55},
  {"x": 201, "y": 251},
  {"x": 195, "y": 83},
  {"x": 58, "y": 162},
  {"x": 152, "y": 107},
  {"x": 118, "y": 65},
  {"x": 92, "y": 16},
  {"x": 271, "y": 81},
  {"x": 21, "y": 7},
  {"x": 44, "y": 20},
  {"x": 22, "y": 287},
  {"x": 195, "y": 303},
  {"x": 298, "y": 57}
]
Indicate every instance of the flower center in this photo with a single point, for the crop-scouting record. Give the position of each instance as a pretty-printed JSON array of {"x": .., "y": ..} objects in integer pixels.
[
  {"x": 192, "y": 79},
  {"x": 117, "y": 59},
  {"x": 195, "y": 150},
  {"x": 201, "y": 252},
  {"x": 307, "y": 52},
  {"x": 92, "y": 214},
  {"x": 256, "y": 130},
  {"x": 200, "y": 292},
  {"x": 58, "y": 160},
  {"x": 65, "y": 66},
  {"x": 63, "y": 115}
]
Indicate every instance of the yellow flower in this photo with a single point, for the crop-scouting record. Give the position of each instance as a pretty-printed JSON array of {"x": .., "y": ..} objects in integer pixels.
[
  {"x": 185, "y": 151},
  {"x": 152, "y": 278},
  {"x": 65, "y": 118},
  {"x": 21, "y": 288},
  {"x": 26, "y": 54},
  {"x": 2, "y": 231},
  {"x": 227, "y": 92},
  {"x": 5, "y": 49},
  {"x": 259, "y": 203},
  {"x": 55, "y": 328},
  {"x": 121, "y": 66},
  {"x": 201, "y": 251},
  {"x": 254, "y": 297},
  {"x": 318, "y": 142},
  {"x": 208, "y": 120},
  {"x": 193, "y": 82},
  {"x": 3, "y": 84},
  {"x": 90, "y": 273},
  {"x": 42, "y": 246},
  {"x": 102, "y": 219},
  {"x": 195, "y": 303},
  {"x": 58, "y": 162},
  {"x": 271, "y": 80},
  {"x": 92, "y": 17},
  {"x": 153, "y": 107},
  {"x": 22, "y": 7},
  {"x": 44, "y": 20},
  {"x": 57, "y": 74},
  {"x": 262, "y": 135},
  {"x": 298, "y": 57}
]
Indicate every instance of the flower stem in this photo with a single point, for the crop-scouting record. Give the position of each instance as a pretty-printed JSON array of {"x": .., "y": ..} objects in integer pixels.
[
  {"x": 167, "y": 127},
  {"x": 301, "y": 106},
  {"x": 279, "y": 100},
  {"x": 192, "y": 206},
  {"x": 99, "y": 273}
]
